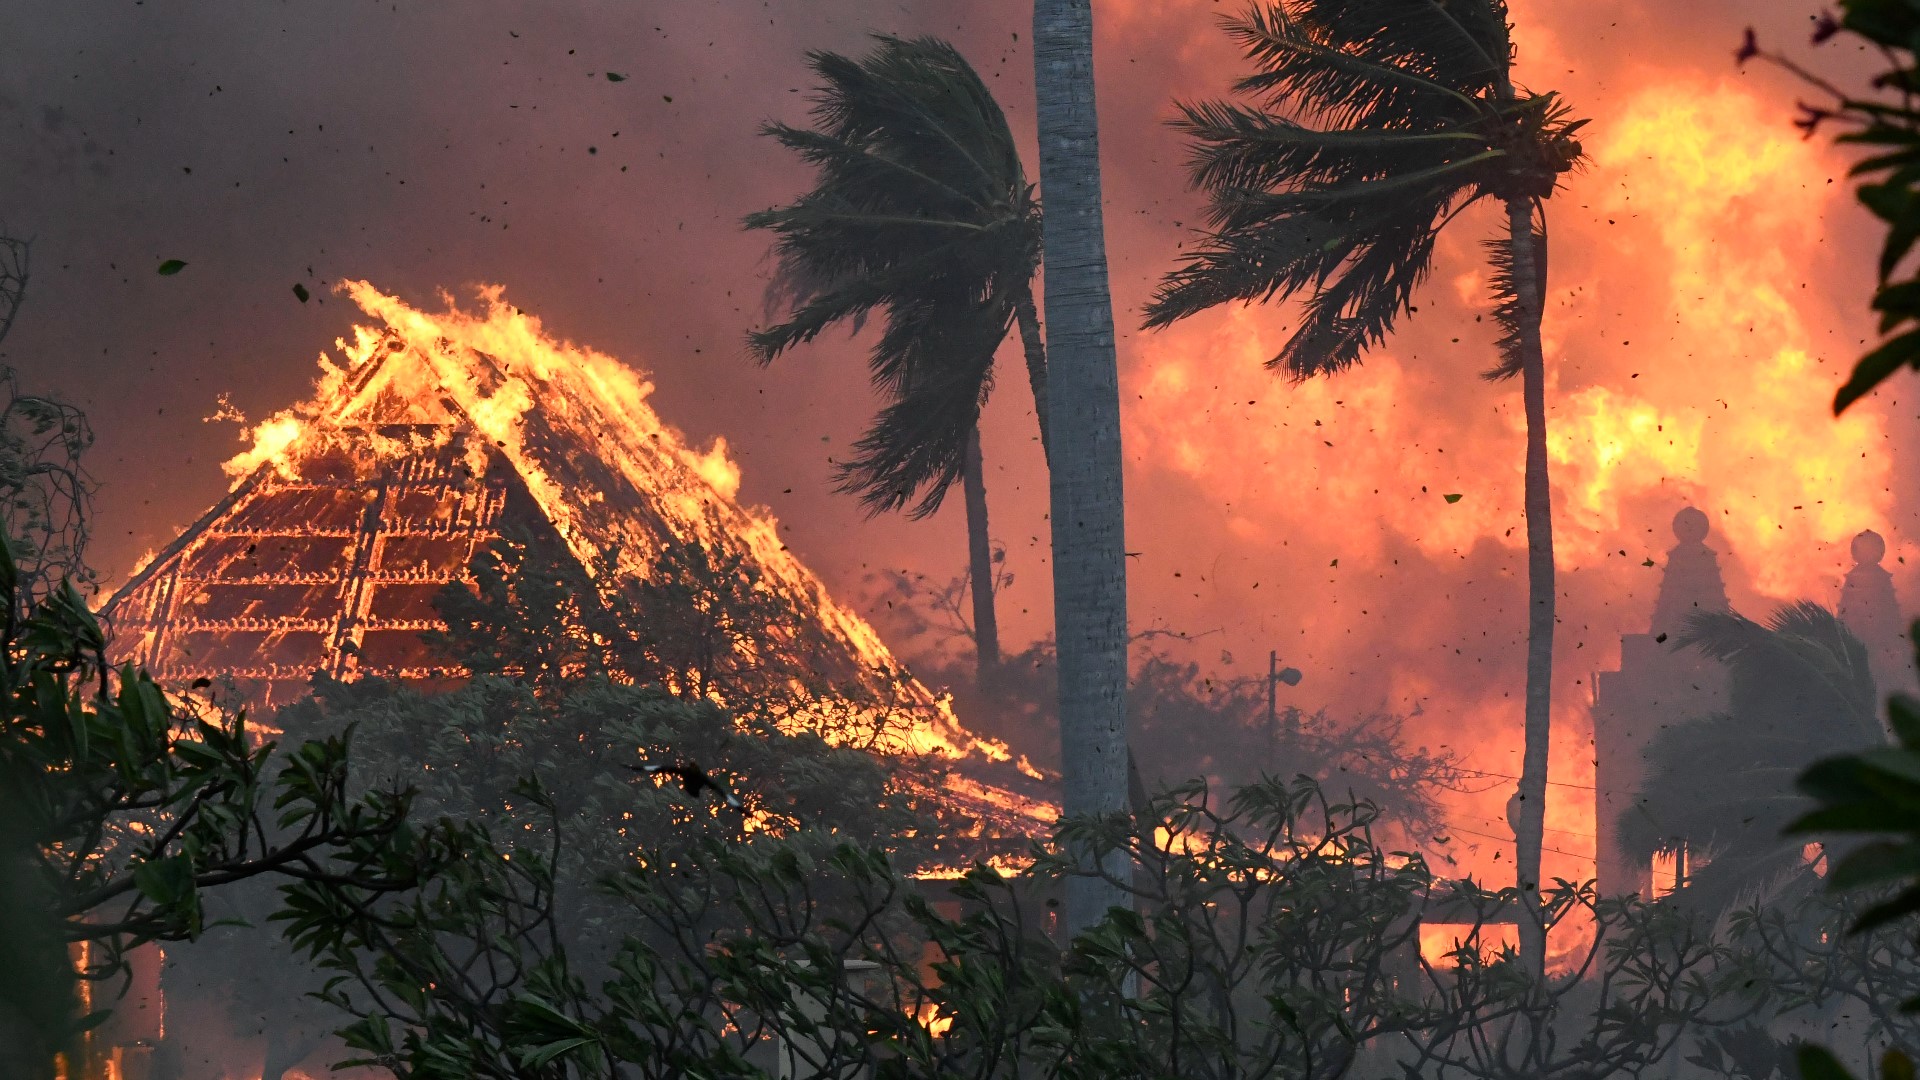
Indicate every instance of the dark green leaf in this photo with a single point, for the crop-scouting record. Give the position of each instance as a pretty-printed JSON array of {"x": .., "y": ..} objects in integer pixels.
[
  {"x": 166, "y": 882},
  {"x": 541, "y": 1057},
  {"x": 1874, "y": 368},
  {"x": 172, "y": 267},
  {"x": 1816, "y": 1063},
  {"x": 300, "y": 291},
  {"x": 1902, "y": 905},
  {"x": 1903, "y": 715},
  {"x": 1894, "y": 203},
  {"x": 614, "y": 76},
  {"x": 1876, "y": 862}
]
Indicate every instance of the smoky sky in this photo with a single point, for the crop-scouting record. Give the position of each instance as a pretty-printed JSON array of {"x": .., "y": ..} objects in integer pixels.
[{"x": 435, "y": 146}]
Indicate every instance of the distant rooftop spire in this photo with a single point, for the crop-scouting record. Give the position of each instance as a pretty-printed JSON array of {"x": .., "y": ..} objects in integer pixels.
[
  {"x": 1691, "y": 582},
  {"x": 1870, "y": 609}
]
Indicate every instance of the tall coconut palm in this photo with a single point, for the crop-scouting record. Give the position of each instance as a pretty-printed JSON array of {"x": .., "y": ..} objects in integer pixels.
[
  {"x": 1089, "y": 556},
  {"x": 1801, "y": 689},
  {"x": 920, "y": 209},
  {"x": 1367, "y": 127}
]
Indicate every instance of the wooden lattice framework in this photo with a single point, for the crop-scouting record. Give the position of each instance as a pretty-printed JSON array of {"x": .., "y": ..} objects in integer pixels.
[
  {"x": 327, "y": 557},
  {"x": 328, "y": 562}
]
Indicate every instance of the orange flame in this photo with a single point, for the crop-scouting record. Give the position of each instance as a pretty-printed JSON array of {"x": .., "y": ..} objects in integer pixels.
[
  {"x": 1728, "y": 205},
  {"x": 1723, "y": 400},
  {"x": 1441, "y": 943},
  {"x": 500, "y": 370},
  {"x": 1692, "y": 357}
]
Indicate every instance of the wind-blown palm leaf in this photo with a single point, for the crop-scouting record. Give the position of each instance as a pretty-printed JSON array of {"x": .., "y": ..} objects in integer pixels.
[
  {"x": 1380, "y": 121},
  {"x": 1359, "y": 63},
  {"x": 1373, "y": 125},
  {"x": 920, "y": 211},
  {"x": 1804, "y": 659},
  {"x": 1801, "y": 690},
  {"x": 1510, "y": 310}
]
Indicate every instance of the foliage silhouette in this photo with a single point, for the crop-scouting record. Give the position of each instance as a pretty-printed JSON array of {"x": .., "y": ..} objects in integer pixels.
[
  {"x": 921, "y": 208},
  {"x": 1273, "y": 938},
  {"x": 1800, "y": 689},
  {"x": 1886, "y": 123}
]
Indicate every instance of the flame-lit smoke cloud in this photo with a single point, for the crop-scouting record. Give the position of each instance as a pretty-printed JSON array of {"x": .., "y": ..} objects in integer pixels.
[{"x": 1708, "y": 276}]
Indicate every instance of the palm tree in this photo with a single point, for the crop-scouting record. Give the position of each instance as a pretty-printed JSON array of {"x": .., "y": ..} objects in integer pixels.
[
  {"x": 1088, "y": 515},
  {"x": 921, "y": 209},
  {"x": 1372, "y": 125},
  {"x": 1801, "y": 689}
]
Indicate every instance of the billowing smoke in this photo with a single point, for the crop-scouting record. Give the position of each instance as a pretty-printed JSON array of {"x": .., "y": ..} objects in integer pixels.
[{"x": 1708, "y": 267}]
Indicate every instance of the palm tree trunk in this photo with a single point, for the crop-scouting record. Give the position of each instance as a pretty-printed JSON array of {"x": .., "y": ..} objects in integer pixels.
[
  {"x": 1089, "y": 550},
  {"x": 1530, "y": 802},
  {"x": 986, "y": 626},
  {"x": 1035, "y": 348}
]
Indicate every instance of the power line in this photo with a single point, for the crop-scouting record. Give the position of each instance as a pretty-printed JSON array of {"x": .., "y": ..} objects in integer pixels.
[
  {"x": 1548, "y": 828},
  {"x": 1555, "y": 783},
  {"x": 1509, "y": 839}
]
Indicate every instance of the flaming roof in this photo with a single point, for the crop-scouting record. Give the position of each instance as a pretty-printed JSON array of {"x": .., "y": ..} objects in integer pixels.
[{"x": 433, "y": 434}]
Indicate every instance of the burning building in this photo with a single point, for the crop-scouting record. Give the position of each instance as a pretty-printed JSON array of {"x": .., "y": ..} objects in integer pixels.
[
  {"x": 431, "y": 439},
  {"x": 1659, "y": 683},
  {"x": 435, "y": 436}
]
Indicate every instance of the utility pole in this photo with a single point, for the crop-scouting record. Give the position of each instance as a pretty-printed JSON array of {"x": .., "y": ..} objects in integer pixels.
[
  {"x": 1273, "y": 692},
  {"x": 1275, "y": 676},
  {"x": 1273, "y": 682}
]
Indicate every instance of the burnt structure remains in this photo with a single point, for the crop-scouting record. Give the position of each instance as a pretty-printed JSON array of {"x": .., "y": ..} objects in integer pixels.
[
  {"x": 330, "y": 566},
  {"x": 439, "y": 435},
  {"x": 1659, "y": 683}
]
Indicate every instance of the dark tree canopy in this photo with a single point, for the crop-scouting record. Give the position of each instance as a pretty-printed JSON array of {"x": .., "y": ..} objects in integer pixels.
[
  {"x": 1370, "y": 125},
  {"x": 921, "y": 210}
]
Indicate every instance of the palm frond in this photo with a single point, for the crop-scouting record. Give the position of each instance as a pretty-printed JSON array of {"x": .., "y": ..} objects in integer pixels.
[
  {"x": 1373, "y": 123},
  {"x": 935, "y": 363},
  {"x": 823, "y": 289},
  {"x": 1372, "y": 63},
  {"x": 1510, "y": 311},
  {"x": 921, "y": 98},
  {"x": 920, "y": 211},
  {"x": 1800, "y": 690},
  {"x": 1372, "y": 130},
  {"x": 1361, "y": 262},
  {"x": 1803, "y": 657},
  {"x": 1482, "y": 27},
  {"x": 1236, "y": 146}
]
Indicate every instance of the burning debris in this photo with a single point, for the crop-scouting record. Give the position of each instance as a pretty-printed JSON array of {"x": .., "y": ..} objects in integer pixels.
[{"x": 694, "y": 781}]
